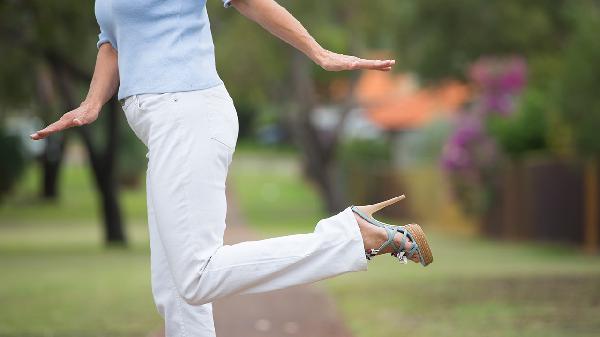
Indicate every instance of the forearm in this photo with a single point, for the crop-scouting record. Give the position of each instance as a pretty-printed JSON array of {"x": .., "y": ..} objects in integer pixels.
[
  {"x": 102, "y": 87},
  {"x": 105, "y": 80},
  {"x": 279, "y": 22}
]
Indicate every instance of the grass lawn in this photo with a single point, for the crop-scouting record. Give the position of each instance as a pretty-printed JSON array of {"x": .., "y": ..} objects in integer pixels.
[
  {"x": 475, "y": 287},
  {"x": 58, "y": 279}
]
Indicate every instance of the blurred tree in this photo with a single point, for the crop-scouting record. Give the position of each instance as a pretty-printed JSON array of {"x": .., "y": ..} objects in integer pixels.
[
  {"x": 13, "y": 160},
  {"x": 46, "y": 46},
  {"x": 268, "y": 73},
  {"x": 557, "y": 37},
  {"x": 579, "y": 105},
  {"x": 561, "y": 109},
  {"x": 52, "y": 156},
  {"x": 53, "y": 41},
  {"x": 131, "y": 163},
  {"x": 579, "y": 80},
  {"x": 524, "y": 132},
  {"x": 446, "y": 36}
]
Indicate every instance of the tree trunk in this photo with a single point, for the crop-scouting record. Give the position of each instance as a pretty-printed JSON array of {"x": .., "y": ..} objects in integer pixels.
[
  {"x": 328, "y": 180},
  {"x": 55, "y": 144},
  {"x": 318, "y": 151},
  {"x": 592, "y": 213},
  {"x": 114, "y": 232},
  {"x": 51, "y": 164},
  {"x": 103, "y": 164}
]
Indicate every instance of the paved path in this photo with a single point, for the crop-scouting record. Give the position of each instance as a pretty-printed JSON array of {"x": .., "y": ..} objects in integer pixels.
[{"x": 302, "y": 311}]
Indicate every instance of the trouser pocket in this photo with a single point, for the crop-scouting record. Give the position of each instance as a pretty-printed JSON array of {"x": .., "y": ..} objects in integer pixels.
[{"x": 222, "y": 117}]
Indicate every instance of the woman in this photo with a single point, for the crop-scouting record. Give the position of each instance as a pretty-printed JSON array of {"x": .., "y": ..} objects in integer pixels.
[{"x": 159, "y": 54}]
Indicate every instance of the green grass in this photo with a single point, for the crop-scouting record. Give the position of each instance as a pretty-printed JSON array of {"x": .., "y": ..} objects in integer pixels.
[
  {"x": 76, "y": 292},
  {"x": 475, "y": 287},
  {"x": 58, "y": 278},
  {"x": 78, "y": 201},
  {"x": 268, "y": 186}
]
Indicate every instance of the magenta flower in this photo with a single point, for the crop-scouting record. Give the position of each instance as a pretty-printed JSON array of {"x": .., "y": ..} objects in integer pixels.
[
  {"x": 500, "y": 82},
  {"x": 470, "y": 154}
]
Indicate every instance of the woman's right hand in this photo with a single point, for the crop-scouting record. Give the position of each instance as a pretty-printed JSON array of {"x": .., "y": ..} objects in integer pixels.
[
  {"x": 84, "y": 114},
  {"x": 103, "y": 86}
]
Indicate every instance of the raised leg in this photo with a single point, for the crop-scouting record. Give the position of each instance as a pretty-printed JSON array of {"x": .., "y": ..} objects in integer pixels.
[{"x": 191, "y": 139}]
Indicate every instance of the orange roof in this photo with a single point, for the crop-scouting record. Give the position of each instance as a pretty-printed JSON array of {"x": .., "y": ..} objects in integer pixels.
[{"x": 396, "y": 102}]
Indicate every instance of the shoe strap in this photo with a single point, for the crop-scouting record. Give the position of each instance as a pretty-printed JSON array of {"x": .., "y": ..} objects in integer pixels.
[
  {"x": 415, "y": 247},
  {"x": 406, "y": 235},
  {"x": 390, "y": 240},
  {"x": 369, "y": 219},
  {"x": 391, "y": 233}
]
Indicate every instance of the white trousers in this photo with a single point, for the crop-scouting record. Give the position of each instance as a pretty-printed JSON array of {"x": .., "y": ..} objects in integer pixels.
[{"x": 191, "y": 137}]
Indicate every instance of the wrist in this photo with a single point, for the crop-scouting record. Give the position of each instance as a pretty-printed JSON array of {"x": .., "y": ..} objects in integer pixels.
[
  {"x": 92, "y": 106},
  {"x": 319, "y": 55}
]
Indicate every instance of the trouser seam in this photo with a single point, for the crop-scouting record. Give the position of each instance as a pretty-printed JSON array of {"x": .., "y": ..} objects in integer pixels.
[
  {"x": 186, "y": 178},
  {"x": 335, "y": 243},
  {"x": 172, "y": 286},
  {"x": 181, "y": 143},
  {"x": 179, "y": 311}
]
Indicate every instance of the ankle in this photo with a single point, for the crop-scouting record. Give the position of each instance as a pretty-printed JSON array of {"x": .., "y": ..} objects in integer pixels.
[{"x": 373, "y": 236}]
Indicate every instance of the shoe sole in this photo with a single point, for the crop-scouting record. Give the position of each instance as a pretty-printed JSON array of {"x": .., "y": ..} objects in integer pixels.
[{"x": 419, "y": 236}]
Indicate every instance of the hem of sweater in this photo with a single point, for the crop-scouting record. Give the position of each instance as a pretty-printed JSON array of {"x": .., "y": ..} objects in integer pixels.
[{"x": 123, "y": 94}]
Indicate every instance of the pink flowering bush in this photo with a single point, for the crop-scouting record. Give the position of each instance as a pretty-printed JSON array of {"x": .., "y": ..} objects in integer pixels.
[{"x": 471, "y": 154}]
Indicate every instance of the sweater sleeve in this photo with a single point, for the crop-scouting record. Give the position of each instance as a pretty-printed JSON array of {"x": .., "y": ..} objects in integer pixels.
[{"x": 103, "y": 38}]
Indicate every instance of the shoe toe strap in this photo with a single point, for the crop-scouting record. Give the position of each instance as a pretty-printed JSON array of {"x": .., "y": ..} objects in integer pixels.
[
  {"x": 415, "y": 248},
  {"x": 392, "y": 231}
]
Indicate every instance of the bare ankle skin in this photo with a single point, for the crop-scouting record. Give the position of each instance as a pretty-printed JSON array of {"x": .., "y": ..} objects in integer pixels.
[{"x": 374, "y": 237}]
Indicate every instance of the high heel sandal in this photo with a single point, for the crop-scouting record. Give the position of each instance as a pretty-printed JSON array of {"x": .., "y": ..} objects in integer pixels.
[{"x": 410, "y": 231}]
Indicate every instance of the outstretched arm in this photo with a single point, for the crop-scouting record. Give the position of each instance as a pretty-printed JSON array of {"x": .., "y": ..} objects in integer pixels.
[
  {"x": 103, "y": 86},
  {"x": 279, "y": 22}
]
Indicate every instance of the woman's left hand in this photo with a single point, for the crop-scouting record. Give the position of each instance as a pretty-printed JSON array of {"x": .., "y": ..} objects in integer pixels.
[{"x": 331, "y": 61}]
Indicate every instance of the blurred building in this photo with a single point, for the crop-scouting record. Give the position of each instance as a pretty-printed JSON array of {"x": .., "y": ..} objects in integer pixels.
[{"x": 400, "y": 106}]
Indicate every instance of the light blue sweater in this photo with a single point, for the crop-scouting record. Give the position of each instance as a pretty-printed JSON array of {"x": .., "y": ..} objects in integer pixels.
[{"x": 163, "y": 45}]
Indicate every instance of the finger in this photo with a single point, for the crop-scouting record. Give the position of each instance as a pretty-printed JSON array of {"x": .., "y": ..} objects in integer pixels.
[
  {"x": 373, "y": 64},
  {"x": 384, "y": 65},
  {"x": 59, "y": 125}
]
